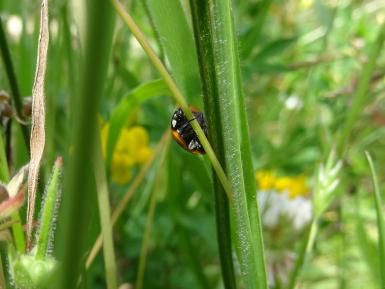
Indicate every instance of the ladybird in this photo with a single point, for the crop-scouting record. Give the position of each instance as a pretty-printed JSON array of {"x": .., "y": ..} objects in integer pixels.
[{"x": 183, "y": 133}]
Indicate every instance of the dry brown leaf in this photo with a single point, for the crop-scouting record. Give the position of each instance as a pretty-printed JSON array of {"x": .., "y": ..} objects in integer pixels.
[{"x": 38, "y": 117}]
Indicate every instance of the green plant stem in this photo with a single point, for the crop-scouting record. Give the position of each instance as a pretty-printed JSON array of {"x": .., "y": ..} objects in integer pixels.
[
  {"x": 361, "y": 92},
  {"x": 176, "y": 93},
  {"x": 301, "y": 255},
  {"x": 305, "y": 249},
  {"x": 2, "y": 277},
  {"x": 312, "y": 235},
  {"x": 68, "y": 47},
  {"x": 224, "y": 105},
  {"x": 48, "y": 211},
  {"x": 105, "y": 216},
  {"x": 367, "y": 246},
  {"x": 79, "y": 189},
  {"x": 126, "y": 198},
  {"x": 4, "y": 172},
  {"x": 6, "y": 225},
  {"x": 17, "y": 99},
  {"x": 149, "y": 221},
  {"x": 3, "y": 260},
  {"x": 380, "y": 219}
]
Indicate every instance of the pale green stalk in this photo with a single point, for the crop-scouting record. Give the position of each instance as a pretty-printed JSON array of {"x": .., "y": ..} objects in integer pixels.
[
  {"x": 361, "y": 93},
  {"x": 380, "y": 219},
  {"x": 126, "y": 198},
  {"x": 149, "y": 221},
  {"x": 105, "y": 216}
]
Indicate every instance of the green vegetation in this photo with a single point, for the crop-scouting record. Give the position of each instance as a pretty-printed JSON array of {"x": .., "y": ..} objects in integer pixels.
[{"x": 289, "y": 193}]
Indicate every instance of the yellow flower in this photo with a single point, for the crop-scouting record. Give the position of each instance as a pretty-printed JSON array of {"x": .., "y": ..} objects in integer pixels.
[
  {"x": 139, "y": 134},
  {"x": 122, "y": 159},
  {"x": 283, "y": 183},
  {"x": 294, "y": 186},
  {"x": 144, "y": 154},
  {"x": 121, "y": 173},
  {"x": 298, "y": 187},
  {"x": 124, "y": 144},
  {"x": 266, "y": 179},
  {"x": 131, "y": 149}
]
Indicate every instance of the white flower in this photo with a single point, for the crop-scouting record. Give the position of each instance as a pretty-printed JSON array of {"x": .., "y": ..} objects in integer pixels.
[{"x": 276, "y": 206}]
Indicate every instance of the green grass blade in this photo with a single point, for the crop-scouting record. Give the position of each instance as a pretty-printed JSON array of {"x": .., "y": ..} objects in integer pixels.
[
  {"x": 105, "y": 216},
  {"x": 177, "y": 40},
  {"x": 380, "y": 219},
  {"x": 2, "y": 277},
  {"x": 227, "y": 121},
  {"x": 366, "y": 245},
  {"x": 122, "y": 204},
  {"x": 362, "y": 89},
  {"x": 150, "y": 218},
  {"x": 300, "y": 260},
  {"x": 16, "y": 96},
  {"x": 78, "y": 187},
  {"x": 3, "y": 265},
  {"x": 215, "y": 130},
  {"x": 4, "y": 173},
  {"x": 48, "y": 211}
]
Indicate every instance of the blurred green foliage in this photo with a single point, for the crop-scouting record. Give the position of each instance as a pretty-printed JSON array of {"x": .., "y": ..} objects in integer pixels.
[{"x": 301, "y": 61}]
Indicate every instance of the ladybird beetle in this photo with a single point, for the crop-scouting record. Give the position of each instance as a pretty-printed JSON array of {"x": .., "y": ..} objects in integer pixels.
[{"x": 183, "y": 133}]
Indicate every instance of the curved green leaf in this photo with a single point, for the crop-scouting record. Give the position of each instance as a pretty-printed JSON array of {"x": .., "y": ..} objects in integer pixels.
[
  {"x": 177, "y": 40},
  {"x": 125, "y": 107}
]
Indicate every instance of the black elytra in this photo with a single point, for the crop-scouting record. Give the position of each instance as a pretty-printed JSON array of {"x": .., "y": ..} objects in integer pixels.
[{"x": 184, "y": 134}]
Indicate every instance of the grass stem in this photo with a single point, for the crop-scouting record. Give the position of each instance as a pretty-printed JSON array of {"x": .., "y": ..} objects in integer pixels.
[
  {"x": 362, "y": 90},
  {"x": 105, "y": 216},
  {"x": 126, "y": 198},
  {"x": 16, "y": 96},
  {"x": 380, "y": 219},
  {"x": 219, "y": 63},
  {"x": 149, "y": 221}
]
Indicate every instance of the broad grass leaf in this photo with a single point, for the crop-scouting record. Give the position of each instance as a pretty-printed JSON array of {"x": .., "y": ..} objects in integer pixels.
[
  {"x": 125, "y": 107},
  {"x": 177, "y": 40}
]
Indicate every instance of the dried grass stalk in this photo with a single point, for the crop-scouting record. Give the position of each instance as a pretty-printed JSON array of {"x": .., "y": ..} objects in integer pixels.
[{"x": 37, "y": 140}]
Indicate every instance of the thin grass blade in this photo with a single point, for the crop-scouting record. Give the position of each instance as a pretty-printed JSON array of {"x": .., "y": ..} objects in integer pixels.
[
  {"x": 380, "y": 219},
  {"x": 105, "y": 217}
]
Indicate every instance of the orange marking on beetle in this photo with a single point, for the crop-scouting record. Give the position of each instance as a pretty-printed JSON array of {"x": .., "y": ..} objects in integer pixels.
[{"x": 177, "y": 137}]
